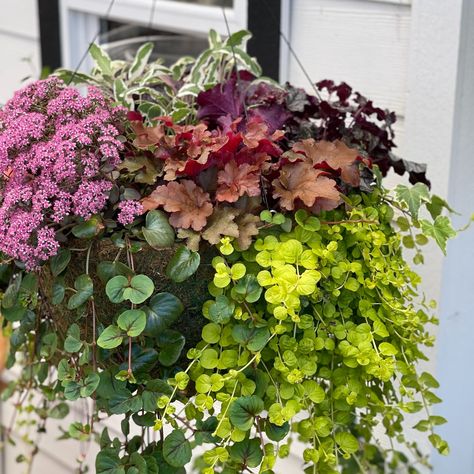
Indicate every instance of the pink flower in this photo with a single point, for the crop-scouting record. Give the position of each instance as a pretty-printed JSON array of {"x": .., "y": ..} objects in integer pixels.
[
  {"x": 128, "y": 211},
  {"x": 56, "y": 148}
]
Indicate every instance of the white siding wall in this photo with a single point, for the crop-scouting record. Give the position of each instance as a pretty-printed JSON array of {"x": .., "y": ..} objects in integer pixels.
[
  {"x": 361, "y": 42},
  {"x": 19, "y": 44}
]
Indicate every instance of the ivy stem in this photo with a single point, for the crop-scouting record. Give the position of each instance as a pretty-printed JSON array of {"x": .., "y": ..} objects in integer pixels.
[
  {"x": 94, "y": 343},
  {"x": 357, "y": 460},
  {"x": 331, "y": 387},
  {"x": 94, "y": 329},
  {"x": 350, "y": 221},
  {"x": 88, "y": 256},
  {"x": 259, "y": 429},
  {"x": 129, "y": 356}
]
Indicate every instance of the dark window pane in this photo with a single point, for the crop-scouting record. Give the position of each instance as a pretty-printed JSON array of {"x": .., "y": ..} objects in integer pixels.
[
  {"x": 122, "y": 41},
  {"x": 213, "y": 3}
]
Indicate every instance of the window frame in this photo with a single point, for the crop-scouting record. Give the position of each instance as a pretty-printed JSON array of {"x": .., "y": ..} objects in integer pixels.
[{"x": 80, "y": 21}]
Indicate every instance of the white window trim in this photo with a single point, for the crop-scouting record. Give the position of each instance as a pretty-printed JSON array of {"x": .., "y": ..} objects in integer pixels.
[
  {"x": 393, "y": 2},
  {"x": 80, "y": 20}
]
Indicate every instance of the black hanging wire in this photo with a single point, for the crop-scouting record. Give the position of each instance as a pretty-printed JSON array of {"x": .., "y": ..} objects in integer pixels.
[
  {"x": 290, "y": 48},
  {"x": 152, "y": 14},
  {"x": 94, "y": 39},
  {"x": 237, "y": 76}
]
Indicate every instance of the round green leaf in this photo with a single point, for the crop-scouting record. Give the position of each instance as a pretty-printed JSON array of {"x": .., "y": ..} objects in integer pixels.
[
  {"x": 108, "y": 462},
  {"x": 388, "y": 349},
  {"x": 247, "y": 453},
  {"x": 132, "y": 321},
  {"x": 171, "y": 344},
  {"x": 247, "y": 289},
  {"x": 91, "y": 382},
  {"x": 243, "y": 410},
  {"x": 183, "y": 264},
  {"x": 88, "y": 229},
  {"x": 211, "y": 333},
  {"x": 255, "y": 339},
  {"x": 60, "y": 261},
  {"x": 157, "y": 231},
  {"x": 176, "y": 449},
  {"x": 276, "y": 433},
  {"x": 115, "y": 288},
  {"x": 84, "y": 290},
  {"x": 163, "y": 310},
  {"x": 111, "y": 337},
  {"x": 221, "y": 310},
  {"x": 314, "y": 391},
  {"x": 140, "y": 288},
  {"x": 347, "y": 442},
  {"x": 58, "y": 412},
  {"x": 209, "y": 358},
  {"x": 72, "y": 390},
  {"x": 73, "y": 343}
]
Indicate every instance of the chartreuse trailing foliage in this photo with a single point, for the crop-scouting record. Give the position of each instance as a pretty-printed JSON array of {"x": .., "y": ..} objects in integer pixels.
[
  {"x": 224, "y": 270},
  {"x": 315, "y": 333}
]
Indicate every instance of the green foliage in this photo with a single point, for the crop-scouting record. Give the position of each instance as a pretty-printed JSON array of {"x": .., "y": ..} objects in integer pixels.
[
  {"x": 150, "y": 86},
  {"x": 183, "y": 264},
  {"x": 84, "y": 290},
  {"x": 314, "y": 332},
  {"x": 176, "y": 449},
  {"x": 163, "y": 310},
  {"x": 60, "y": 261},
  {"x": 136, "y": 289},
  {"x": 413, "y": 197},
  {"x": 157, "y": 231},
  {"x": 242, "y": 411},
  {"x": 132, "y": 322},
  {"x": 111, "y": 337},
  {"x": 314, "y": 324},
  {"x": 440, "y": 230}
]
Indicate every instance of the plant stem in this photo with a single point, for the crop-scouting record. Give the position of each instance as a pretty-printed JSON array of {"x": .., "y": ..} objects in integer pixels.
[{"x": 129, "y": 356}]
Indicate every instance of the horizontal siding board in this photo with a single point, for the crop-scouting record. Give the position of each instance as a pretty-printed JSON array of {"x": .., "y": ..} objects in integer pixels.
[
  {"x": 362, "y": 42},
  {"x": 20, "y": 17}
]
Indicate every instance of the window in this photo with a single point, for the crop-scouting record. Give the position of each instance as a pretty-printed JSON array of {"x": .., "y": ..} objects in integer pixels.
[{"x": 81, "y": 20}]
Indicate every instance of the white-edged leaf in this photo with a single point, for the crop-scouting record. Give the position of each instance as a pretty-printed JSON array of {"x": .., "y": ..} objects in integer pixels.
[
  {"x": 120, "y": 88},
  {"x": 140, "y": 61},
  {"x": 201, "y": 61},
  {"x": 189, "y": 89},
  {"x": 440, "y": 230},
  {"x": 413, "y": 196},
  {"x": 101, "y": 59},
  {"x": 238, "y": 38},
  {"x": 215, "y": 39}
]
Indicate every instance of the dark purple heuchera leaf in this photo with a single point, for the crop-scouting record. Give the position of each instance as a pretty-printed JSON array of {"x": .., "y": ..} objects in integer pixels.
[
  {"x": 274, "y": 116},
  {"x": 224, "y": 103},
  {"x": 222, "y": 100}
]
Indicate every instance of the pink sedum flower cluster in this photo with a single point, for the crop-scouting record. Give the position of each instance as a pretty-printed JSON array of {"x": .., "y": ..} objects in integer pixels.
[
  {"x": 128, "y": 211},
  {"x": 56, "y": 151}
]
